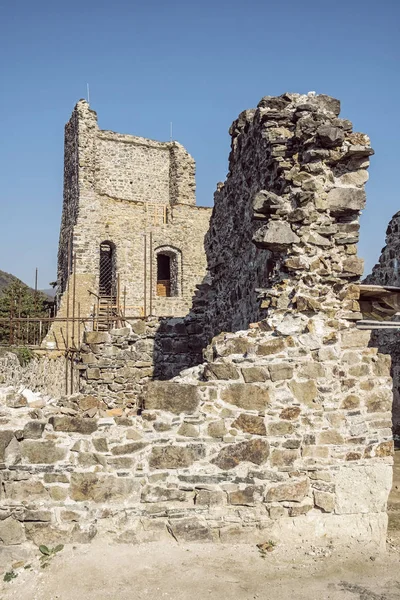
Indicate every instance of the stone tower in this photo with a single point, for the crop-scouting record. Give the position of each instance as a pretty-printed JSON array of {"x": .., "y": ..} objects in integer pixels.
[{"x": 131, "y": 233}]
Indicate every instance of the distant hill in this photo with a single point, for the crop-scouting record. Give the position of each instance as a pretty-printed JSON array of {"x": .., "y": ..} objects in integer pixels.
[{"x": 7, "y": 278}]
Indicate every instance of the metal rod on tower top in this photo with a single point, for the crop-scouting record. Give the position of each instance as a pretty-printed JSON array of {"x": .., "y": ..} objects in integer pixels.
[
  {"x": 88, "y": 93},
  {"x": 170, "y": 132}
]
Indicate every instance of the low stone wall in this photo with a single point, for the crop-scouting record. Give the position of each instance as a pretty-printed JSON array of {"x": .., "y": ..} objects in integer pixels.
[
  {"x": 115, "y": 366},
  {"x": 44, "y": 372},
  {"x": 262, "y": 447}
]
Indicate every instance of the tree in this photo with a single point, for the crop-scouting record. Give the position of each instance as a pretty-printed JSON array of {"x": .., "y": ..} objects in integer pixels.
[{"x": 20, "y": 301}]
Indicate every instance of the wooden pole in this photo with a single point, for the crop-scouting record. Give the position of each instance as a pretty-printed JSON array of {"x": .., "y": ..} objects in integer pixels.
[
  {"x": 151, "y": 273},
  {"x": 145, "y": 275}
]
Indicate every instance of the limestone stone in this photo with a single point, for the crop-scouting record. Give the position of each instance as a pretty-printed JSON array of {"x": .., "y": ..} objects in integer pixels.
[
  {"x": 276, "y": 236},
  {"x": 372, "y": 483},
  {"x": 188, "y": 430},
  {"x": 280, "y": 371},
  {"x": 290, "y": 413},
  {"x": 243, "y": 497},
  {"x": 330, "y": 437},
  {"x": 42, "y": 452},
  {"x": 221, "y": 371},
  {"x": 74, "y": 424},
  {"x": 130, "y": 448},
  {"x": 343, "y": 201},
  {"x": 100, "y": 488},
  {"x": 216, "y": 429},
  {"x": 283, "y": 458},
  {"x": 11, "y": 532},
  {"x": 34, "y": 430},
  {"x": 191, "y": 529},
  {"x": 247, "y": 396},
  {"x": 250, "y": 424},
  {"x": 324, "y": 500},
  {"x": 273, "y": 346},
  {"x": 5, "y": 438},
  {"x": 159, "y": 494},
  {"x": 173, "y": 457},
  {"x": 305, "y": 392},
  {"x": 293, "y": 491},
  {"x": 255, "y": 451},
  {"x": 173, "y": 397},
  {"x": 280, "y": 428},
  {"x": 254, "y": 374}
]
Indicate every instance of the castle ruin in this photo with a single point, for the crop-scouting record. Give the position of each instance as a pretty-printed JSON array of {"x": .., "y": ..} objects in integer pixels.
[{"x": 281, "y": 428}]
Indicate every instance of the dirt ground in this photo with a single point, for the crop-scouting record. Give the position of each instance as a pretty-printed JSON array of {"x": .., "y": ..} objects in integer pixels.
[{"x": 102, "y": 571}]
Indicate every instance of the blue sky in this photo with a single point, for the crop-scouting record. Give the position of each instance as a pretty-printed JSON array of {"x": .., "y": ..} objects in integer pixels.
[{"x": 197, "y": 64}]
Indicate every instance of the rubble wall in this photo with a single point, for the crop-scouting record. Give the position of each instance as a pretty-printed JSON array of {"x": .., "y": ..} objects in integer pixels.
[
  {"x": 387, "y": 272},
  {"x": 44, "y": 372}
]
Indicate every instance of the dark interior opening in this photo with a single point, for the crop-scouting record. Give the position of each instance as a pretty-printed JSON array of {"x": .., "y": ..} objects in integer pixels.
[
  {"x": 163, "y": 275},
  {"x": 106, "y": 276}
]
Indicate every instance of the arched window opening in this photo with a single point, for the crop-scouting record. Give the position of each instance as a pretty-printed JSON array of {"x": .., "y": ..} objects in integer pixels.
[
  {"x": 163, "y": 275},
  {"x": 169, "y": 269},
  {"x": 107, "y": 270}
]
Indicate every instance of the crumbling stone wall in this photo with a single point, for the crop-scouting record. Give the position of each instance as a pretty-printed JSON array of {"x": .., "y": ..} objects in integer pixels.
[
  {"x": 387, "y": 272},
  {"x": 44, "y": 372}
]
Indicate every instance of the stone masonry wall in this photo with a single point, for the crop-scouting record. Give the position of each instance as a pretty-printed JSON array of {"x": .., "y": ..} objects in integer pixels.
[
  {"x": 387, "y": 272},
  {"x": 116, "y": 366},
  {"x": 139, "y": 195},
  {"x": 45, "y": 372}
]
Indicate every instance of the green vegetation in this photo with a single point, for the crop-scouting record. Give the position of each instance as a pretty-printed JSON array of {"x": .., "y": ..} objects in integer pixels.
[{"x": 18, "y": 300}]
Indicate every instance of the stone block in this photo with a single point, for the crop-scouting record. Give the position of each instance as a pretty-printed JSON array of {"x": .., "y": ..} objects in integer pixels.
[
  {"x": 188, "y": 430},
  {"x": 93, "y": 373},
  {"x": 159, "y": 494},
  {"x": 216, "y": 429},
  {"x": 290, "y": 413},
  {"x": 175, "y": 457},
  {"x": 355, "y": 338},
  {"x": 21, "y": 490},
  {"x": 250, "y": 424},
  {"x": 95, "y": 487},
  {"x": 5, "y": 438},
  {"x": 172, "y": 397},
  {"x": 331, "y": 436},
  {"x": 191, "y": 529},
  {"x": 221, "y": 371},
  {"x": 280, "y": 428},
  {"x": 276, "y": 236},
  {"x": 362, "y": 489},
  {"x": 353, "y": 265},
  {"x": 85, "y": 426},
  {"x": 254, "y": 374},
  {"x": 283, "y": 458},
  {"x": 243, "y": 497},
  {"x": 128, "y": 448},
  {"x": 293, "y": 491},
  {"x": 305, "y": 392},
  {"x": 12, "y": 532},
  {"x": 273, "y": 346},
  {"x": 42, "y": 452},
  {"x": 247, "y": 396},
  {"x": 97, "y": 337},
  {"x": 345, "y": 201},
  {"x": 324, "y": 500},
  {"x": 280, "y": 371},
  {"x": 209, "y": 498},
  {"x": 33, "y": 430},
  {"x": 255, "y": 451},
  {"x": 380, "y": 401}
]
